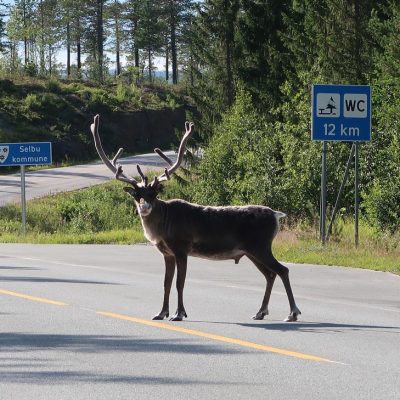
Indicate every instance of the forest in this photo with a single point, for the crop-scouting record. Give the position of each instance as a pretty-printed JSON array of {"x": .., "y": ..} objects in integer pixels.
[{"x": 247, "y": 67}]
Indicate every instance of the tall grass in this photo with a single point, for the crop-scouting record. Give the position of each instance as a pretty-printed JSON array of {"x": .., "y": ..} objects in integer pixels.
[
  {"x": 88, "y": 212},
  {"x": 378, "y": 252}
]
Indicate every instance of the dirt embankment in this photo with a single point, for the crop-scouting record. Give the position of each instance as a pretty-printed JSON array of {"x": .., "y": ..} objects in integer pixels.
[{"x": 136, "y": 132}]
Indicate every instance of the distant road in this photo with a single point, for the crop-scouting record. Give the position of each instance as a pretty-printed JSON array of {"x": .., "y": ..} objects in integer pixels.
[{"x": 55, "y": 180}]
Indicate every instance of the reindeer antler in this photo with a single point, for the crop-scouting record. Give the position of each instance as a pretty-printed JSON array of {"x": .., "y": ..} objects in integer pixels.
[
  {"x": 113, "y": 166},
  {"x": 116, "y": 168},
  {"x": 174, "y": 166}
]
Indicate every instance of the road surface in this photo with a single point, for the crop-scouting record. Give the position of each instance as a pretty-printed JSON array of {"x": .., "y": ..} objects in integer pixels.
[
  {"x": 55, "y": 180},
  {"x": 75, "y": 323}
]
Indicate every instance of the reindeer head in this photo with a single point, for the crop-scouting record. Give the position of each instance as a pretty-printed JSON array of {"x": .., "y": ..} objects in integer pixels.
[{"x": 143, "y": 192}]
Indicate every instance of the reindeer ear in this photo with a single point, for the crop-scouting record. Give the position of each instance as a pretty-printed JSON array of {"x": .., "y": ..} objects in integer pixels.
[{"x": 129, "y": 190}]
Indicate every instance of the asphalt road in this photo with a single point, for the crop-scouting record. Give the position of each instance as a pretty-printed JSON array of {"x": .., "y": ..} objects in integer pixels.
[
  {"x": 75, "y": 323},
  {"x": 55, "y": 180}
]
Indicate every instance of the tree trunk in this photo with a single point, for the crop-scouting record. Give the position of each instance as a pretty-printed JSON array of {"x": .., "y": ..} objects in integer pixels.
[
  {"x": 117, "y": 41},
  {"x": 100, "y": 29},
  {"x": 166, "y": 61},
  {"x": 50, "y": 60},
  {"x": 173, "y": 52},
  {"x": 78, "y": 47},
  {"x": 26, "y": 59},
  {"x": 117, "y": 50},
  {"x": 68, "y": 50},
  {"x": 42, "y": 45},
  {"x": 136, "y": 57},
  {"x": 191, "y": 70},
  {"x": 229, "y": 75},
  {"x": 150, "y": 64}
]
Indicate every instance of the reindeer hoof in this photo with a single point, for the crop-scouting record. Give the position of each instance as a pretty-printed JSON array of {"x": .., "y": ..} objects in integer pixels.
[
  {"x": 293, "y": 315},
  {"x": 178, "y": 316},
  {"x": 260, "y": 315},
  {"x": 161, "y": 316}
]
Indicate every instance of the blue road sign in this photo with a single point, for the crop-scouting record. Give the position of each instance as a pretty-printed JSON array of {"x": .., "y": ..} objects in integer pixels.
[
  {"x": 25, "y": 153},
  {"x": 341, "y": 113}
]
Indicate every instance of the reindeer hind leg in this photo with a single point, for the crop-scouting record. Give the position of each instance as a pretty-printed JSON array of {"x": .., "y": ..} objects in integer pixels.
[
  {"x": 270, "y": 278},
  {"x": 266, "y": 259}
]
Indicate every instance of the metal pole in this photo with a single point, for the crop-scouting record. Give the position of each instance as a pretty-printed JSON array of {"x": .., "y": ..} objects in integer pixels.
[
  {"x": 323, "y": 194},
  {"x": 356, "y": 194},
  {"x": 23, "y": 200},
  {"x": 346, "y": 173}
]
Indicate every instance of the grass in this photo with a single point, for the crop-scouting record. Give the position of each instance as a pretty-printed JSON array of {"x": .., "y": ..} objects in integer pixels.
[
  {"x": 104, "y": 214},
  {"x": 300, "y": 248},
  {"x": 121, "y": 236}
]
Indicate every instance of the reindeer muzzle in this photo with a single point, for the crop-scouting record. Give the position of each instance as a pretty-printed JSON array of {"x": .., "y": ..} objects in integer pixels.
[{"x": 144, "y": 207}]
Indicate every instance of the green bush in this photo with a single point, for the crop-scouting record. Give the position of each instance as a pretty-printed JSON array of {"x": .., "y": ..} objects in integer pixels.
[
  {"x": 240, "y": 165},
  {"x": 33, "y": 102},
  {"x": 48, "y": 102},
  {"x": 99, "y": 208},
  {"x": 101, "y": 100},
  {"x": 382, "y": 203},
  {"x": 53, "y": 85},
  {"x": 30, "y": 69},
  {"x": 122, "y": 92}
]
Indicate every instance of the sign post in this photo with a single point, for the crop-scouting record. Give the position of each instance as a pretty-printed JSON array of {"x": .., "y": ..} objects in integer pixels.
[
  {"x": 23, "y": 200},
  {"x": 22, "y": 154},
  {"x": 322, "y": 219},
  {"x": 340, "y": 113}
]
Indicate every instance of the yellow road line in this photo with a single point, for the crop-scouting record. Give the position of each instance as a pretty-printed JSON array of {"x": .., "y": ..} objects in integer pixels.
[
  {"x": 179, "y": 329},
  {"x": 33, "y": 298},
  {"x": 219, "y": 338}
]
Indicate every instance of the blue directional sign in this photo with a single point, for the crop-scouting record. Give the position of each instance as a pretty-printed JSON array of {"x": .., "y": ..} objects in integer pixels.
[
  {"x": 25, "y": 153},
  {"x": 341, "y": 113}
]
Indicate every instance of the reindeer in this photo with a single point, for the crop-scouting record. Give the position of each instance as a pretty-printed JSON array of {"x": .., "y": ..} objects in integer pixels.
[{"x": 180, "y": 229}]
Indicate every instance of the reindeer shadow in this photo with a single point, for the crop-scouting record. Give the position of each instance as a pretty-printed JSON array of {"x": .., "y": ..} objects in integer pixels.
[
  {"x": 4, "y": 267},
  {"x": 310, "y": 326},
  {"x": 321, "y": 327}
]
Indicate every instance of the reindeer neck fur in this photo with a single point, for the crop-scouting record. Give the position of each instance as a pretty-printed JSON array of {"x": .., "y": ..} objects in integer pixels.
[
  {"x": 161, "y": 224},
  {"x": 153, "y": 224}
]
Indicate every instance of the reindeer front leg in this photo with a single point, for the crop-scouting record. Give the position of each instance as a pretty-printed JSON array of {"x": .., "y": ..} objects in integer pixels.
[
  {"x": 181, "y": 265},
  {"x": 169, "y": 276}
]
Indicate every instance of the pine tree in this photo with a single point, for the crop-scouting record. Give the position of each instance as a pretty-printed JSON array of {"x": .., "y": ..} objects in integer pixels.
[
  {"x": 48, "y": 34},
  {"x": 3, "y": 13},
  {"x": 94, "y": 38},
  {"x": 115, "y": 17},
  {"x": 213, "y": 46},
  {"x": 73, "y": 13},
  {"x": 132, "y": 17},
  {"x": 148, "y": 33},
  {"x": 260, "y": 53},
  {"x": 175, "y": 13}
]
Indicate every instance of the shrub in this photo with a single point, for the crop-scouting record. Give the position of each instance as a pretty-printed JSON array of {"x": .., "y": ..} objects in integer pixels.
[
  {"x": 30, "y": 69},
  {"x": 33, "y": 102},
  {"x": 382, "y": 203},
  {"x": 53, "y": 85},
  {"x": 240, "y": 165}
]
